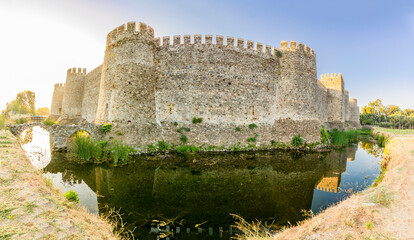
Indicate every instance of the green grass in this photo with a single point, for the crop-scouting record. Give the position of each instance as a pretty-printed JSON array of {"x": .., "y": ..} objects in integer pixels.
[
  {"x": 120, "y": 152},
  {"x": 72, "y": 196},
  {"x": 369, "y": 225},
  {"x": 185, "y": 148},
  {"x": 382, "y": 140},
  {"x": 6, "y": 142},
  {"x": 163, "y": 146},
  {"x": 324, "y": 135},
  {"x": 29, "y": 207},
  {"x": 86, "y": 148},
  {"x": 395, "y": 131},
  {"x": 3, "y": 137}
]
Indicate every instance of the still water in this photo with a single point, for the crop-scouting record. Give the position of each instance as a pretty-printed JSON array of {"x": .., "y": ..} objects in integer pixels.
[{"x": 191, "y": 196}]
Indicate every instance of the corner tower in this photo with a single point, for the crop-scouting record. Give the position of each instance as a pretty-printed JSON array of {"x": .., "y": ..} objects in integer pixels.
[
  {"x": 129, "y": 76},
  {"x": 73, "y": 96},
  {"x": 56, "y": 107}
]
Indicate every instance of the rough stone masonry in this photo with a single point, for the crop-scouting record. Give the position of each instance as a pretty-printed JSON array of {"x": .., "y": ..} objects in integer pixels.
[{"x": 149, "y": 88}]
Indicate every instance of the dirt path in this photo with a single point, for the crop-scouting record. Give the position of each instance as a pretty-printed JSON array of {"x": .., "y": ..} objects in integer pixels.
[
  {"x": 30, "y": 206},
  {"x": 382, "y": 212}
]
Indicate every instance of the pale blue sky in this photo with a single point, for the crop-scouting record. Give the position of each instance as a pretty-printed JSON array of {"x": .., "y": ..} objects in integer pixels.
[{"x": 369, "y": 42}]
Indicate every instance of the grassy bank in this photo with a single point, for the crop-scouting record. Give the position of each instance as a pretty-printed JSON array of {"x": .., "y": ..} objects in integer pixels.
[
  {"x": 30, "y": 206},
  {"x": 379, "y": 212}
]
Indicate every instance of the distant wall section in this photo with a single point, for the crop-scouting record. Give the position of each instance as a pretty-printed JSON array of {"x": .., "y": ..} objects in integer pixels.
[{"x": 91, "y": 94}]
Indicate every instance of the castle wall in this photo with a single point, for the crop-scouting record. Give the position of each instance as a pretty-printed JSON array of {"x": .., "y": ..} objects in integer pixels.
[
  {"x": 321, "y": 100},
  {"x": 346, "y": 105},
  {"x": 73, "y": 95},
  {"x": 222, "y": 83},
  {"x": 57, "y": 99},
  {"x": 91, "y": 94}
]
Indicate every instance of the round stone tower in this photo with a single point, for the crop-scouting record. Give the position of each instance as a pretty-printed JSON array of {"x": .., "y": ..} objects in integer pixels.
[
  {"x": 129, "y": 76},
  {"x": 297, "y": 90},
  {"x": 56, "y": 107},
  {"x": 73, "y": 96}
]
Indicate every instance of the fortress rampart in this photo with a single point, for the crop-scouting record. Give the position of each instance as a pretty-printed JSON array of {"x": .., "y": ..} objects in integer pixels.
[{"x": 148, "y": 87}]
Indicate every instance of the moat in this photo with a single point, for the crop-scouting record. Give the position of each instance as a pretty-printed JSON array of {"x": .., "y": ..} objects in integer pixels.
[{"x": 191, "y": 196}]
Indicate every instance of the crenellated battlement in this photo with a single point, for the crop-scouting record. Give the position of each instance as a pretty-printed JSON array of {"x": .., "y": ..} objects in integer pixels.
[
  {"x": 296, "y": 47},
  {"x": 333, "y": 81},
  {"x": 76, "y": 71},
  {"x": 129, "y": 29},
  {"x": 59, "y": 85},
  {"x": 230, "y": 42}
]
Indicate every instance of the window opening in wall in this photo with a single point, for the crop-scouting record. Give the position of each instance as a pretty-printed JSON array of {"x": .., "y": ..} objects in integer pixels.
[
  {"x": 60, "y": 110},
  {"x": 170, "y": 108},
  {"x": 253, "y": 111}
]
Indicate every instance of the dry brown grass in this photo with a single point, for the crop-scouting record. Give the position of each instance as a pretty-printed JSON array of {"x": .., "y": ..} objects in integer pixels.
[
  {"x": 382, "y": 212},
  {"x": 32, "y": 209}
]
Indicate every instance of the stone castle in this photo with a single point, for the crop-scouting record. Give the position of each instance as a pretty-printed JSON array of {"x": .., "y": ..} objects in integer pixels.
[{"x": 149, "y": 88}]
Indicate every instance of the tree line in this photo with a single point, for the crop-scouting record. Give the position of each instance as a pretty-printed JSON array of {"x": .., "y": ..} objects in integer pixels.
[{"x": 390, "y": 116}]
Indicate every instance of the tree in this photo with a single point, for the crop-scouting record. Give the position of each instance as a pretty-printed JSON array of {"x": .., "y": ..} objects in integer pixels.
[
  {"x": 376, "y": 108},
  {"x": 407, "y": 112},
  {"x": 391, "y": 109},
  {"x": 43, "y": 111},
  {"x": 24, "y": 103}
]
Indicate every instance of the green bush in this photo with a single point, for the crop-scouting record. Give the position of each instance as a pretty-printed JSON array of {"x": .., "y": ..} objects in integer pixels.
[
  {"x": 368, "y": 122},
  {"x": 183, "y": 138},
  {"x": 49, "y": 122},
  {"x": 278, "y": 53},
  {"x": 384, "y": 124},
  {"x": 72, "y": 196},
  {"x": 324, "y": 135},
  {"x": 181, "y": 129},
  {"x": 197, "y": 120},
  {"x": 163, "y": 146},
  {"x": 237, "y": 129},
  {"x": 273, "y": 143},
  {"x": 106, "y": 127},
  {"x": 252, "y": 126},
  {"x": 21, "y": 120},
  {"x": 251, "y": 139},
  {"x": 151, "y": 148},
  {"x": 297, "y": 141}
]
